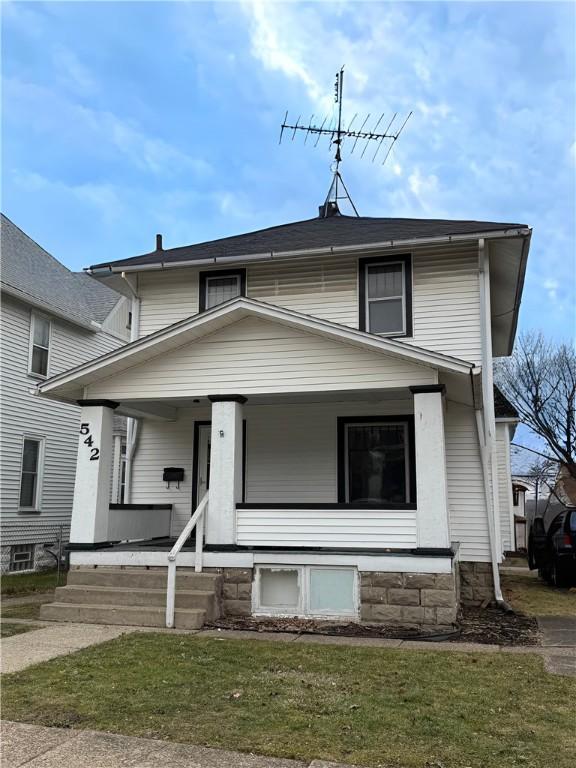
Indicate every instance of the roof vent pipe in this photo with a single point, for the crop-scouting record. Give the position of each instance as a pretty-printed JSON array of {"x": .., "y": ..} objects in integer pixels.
[
  {"x": 328, "y": 209},
  {"x": 159, "y": 246}
]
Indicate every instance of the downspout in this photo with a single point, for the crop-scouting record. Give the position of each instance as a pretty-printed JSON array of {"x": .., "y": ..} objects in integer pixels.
[
  {"x": 486, "y": 423},
  {"x": 132, "y": 425}
]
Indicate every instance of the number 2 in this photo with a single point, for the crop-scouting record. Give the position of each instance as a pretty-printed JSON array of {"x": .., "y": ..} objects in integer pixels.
[{"x": 94, "y": 454}]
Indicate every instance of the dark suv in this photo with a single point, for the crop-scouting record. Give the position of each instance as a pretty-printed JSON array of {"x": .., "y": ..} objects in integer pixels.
[{"x": 552, "y": 548}]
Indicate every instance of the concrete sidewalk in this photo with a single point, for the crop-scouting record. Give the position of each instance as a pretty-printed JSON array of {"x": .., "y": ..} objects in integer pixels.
[
  {"x": 38, "y": 747},
  {"x": 52, "y": 640},
  {"x": 49, "y": 641}
]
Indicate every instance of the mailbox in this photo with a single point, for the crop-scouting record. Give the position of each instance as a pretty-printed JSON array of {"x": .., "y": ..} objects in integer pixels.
[{"x": 173, "y": 475}]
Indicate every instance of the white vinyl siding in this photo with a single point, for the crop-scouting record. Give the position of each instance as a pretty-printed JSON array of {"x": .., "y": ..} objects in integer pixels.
[
  {"x": 257, "y": 356},
  {"x": 25, "y": 414},
  {"x": 467, "y": 505},
  {"x": 363, "y": 528},
  {"x": 504, "y": 487},
  {"x": 445, "y": 295}
]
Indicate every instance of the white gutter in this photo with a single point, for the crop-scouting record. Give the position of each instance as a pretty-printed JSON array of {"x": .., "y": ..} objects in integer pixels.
[
  {"x": 486, "y": 424},
  {"x": 307, "y": 252}
]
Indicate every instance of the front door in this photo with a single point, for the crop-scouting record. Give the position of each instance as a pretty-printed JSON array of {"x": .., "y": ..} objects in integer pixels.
[{"x": 202, "y": 462}]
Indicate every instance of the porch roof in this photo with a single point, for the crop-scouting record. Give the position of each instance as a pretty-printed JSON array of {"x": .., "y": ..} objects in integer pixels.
[{"x": 69, "y": 385}]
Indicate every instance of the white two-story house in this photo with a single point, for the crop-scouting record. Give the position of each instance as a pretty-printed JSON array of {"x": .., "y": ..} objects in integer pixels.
[
  {"x": 52, "y": 319},
  {"x": 315, "y": 428}
]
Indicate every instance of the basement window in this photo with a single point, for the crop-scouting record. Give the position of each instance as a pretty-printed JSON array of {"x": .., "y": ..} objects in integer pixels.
[
  {"x": 313, "y": 591},
  {"x": 220, "y": 286},
  {"x": 22, "y": 557}
]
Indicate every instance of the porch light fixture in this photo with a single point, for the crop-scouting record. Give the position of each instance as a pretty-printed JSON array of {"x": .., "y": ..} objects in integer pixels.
[{"x": 221, "y": 433}]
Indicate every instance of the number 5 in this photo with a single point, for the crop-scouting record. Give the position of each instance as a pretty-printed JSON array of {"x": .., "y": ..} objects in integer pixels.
[{"x": 84, "y": 429}]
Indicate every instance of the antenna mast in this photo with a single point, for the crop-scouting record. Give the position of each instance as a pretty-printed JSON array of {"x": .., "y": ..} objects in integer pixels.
[{"x": 337, "y": 135}]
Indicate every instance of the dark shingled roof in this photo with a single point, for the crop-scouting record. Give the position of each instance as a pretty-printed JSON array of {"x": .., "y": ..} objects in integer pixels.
[
  {"x": 34, "y": 273},
  {"x": 503, "y": 408},
  {"x": 335, "y": 231}
]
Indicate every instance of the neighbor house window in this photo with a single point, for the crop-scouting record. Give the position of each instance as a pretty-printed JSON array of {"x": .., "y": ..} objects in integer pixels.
[
  {"x": 218, "y": 287},
  {"x": 376, "y": 461},
  {"x": 306, "y": 590},
  {"x": 22, "y": 557},
  {"x": 30, "y": 478},
  {"x": 386, "y": 296},
  {"x": 39, "y": 346},
  {"x": 122, "y": 488}
]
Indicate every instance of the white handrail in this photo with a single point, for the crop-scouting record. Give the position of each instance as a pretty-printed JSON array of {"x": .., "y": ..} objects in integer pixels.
[{"x": 196, "y": 521}]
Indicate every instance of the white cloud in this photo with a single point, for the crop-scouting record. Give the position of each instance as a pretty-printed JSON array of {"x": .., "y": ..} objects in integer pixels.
[{"x": 96, "y": 131}]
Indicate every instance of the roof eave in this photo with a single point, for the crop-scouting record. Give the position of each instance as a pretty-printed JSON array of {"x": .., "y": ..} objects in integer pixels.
[
  {"x": 89, "y": 325},
  {"x": 102, "y": 269}
]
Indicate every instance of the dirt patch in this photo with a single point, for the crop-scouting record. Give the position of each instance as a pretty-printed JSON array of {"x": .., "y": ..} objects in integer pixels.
[{"x": 476, "y": 625}]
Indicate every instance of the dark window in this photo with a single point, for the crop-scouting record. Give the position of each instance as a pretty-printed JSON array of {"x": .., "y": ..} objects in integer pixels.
[
  {"x": 40, "y": 346},
  {"x": 29, "y": 480},
  {"x": 376, "y": 461},
  {"x": 386, "y": 295},
  {"x": 220, "y": 286}
]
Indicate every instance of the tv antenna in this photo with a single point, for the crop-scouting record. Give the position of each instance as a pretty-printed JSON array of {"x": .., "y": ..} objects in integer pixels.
[{"x": 337, "y": 134}]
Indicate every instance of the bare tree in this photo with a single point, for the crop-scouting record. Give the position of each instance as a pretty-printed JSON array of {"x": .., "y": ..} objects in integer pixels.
[{"x": 540, "y": 381}]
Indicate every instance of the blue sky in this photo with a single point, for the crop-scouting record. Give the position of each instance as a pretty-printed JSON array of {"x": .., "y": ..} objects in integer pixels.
[{"x": 126, "y": 119}]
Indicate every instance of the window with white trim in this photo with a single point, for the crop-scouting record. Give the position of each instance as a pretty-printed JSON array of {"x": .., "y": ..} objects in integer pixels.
[
  {"x": 31, "y": 474},
  {"x": 40, "y": 331},
  {"x": 306, "y": 590},
  {"x": 386, "y": 296},
  {"x": 218, "y": 287},
  {"x": 22, "y": 557}
]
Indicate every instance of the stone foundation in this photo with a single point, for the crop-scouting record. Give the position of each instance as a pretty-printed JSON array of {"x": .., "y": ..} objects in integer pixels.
[
  {"x": 411, "y": 600},
  {"x": 236, "y": 597},
  {"x": 476, "y": 584}
]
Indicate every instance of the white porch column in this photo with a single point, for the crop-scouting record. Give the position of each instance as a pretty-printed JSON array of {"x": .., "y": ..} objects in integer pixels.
[
  {"x": 226, "y": 458},
  {"x": 431, "y": 481},
  {"x": 93, "y": 473}
]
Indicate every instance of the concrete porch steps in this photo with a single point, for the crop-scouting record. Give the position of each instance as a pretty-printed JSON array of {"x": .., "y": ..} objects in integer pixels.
[
  {"x": 134, "y": 596},
  {"x": 129, "y": 615}
]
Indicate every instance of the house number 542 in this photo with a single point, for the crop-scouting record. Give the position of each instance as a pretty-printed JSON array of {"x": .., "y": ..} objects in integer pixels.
[{"x": 89, "y": 441}]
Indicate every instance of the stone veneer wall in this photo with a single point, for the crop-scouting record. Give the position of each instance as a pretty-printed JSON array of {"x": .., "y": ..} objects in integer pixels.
[
  {"x": 236, "y": 596},
  {"x": 476, "y": 583},
  {"x": 411, "y": 600}
]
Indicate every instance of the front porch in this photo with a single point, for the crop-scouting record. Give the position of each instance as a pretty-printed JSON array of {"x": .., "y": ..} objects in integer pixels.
[{"x": 310, "y": 459}]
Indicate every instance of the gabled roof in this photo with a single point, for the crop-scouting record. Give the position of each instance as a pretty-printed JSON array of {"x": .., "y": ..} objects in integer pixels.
[
  {"x": 322, "y": 233},
  {"x": 200, "y": 325},
  {"x": 32, "y": 274}
]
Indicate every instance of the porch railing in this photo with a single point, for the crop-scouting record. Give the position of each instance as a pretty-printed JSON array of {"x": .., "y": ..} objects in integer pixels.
[{"x": 196, "y": 521}]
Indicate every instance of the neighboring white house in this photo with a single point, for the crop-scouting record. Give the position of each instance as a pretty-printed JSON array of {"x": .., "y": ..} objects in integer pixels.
[
  {"x": 52, "y": 319},
  {"x": 314, "y": 402}
]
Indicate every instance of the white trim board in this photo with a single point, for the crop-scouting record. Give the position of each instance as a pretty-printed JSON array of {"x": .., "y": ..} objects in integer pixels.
[{"x": 382, "y": 564}]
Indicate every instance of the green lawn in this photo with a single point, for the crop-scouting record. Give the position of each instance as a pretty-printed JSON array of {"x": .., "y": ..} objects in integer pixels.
[
  {"x": 26, "y": 611},
  {"x": 370, "y": 706},
  {"x": 26, "y": 583},
  {"x": 10, "y": 629},
  {"x": 534, "y": 597}
]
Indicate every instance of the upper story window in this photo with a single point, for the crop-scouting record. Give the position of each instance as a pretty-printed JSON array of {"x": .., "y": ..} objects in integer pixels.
[
  {"x": 39, "y": 346},
  {"x": 218, "y": 287},
  {"x": 386, "y": 295},
  {"x": 31, "y": 474}
]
